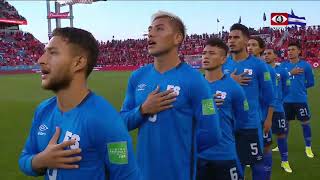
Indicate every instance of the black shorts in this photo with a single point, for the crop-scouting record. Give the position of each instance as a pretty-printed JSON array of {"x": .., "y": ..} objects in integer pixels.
[
  {"x": 217, "y": 170},
  {"x": 279, "y": 123},
  {"x": 299, "y": 110},
  {"x": 267, "y": 138},
  {"x": 249, "y": 145}
]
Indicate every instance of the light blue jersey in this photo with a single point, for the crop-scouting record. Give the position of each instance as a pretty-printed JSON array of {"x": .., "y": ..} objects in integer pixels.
[
  {"x": 167, "y": 141},
  {"x": 98, "y": 130},
  {"x": 233, "y": 115},
  {"x": 299, "y": 83}
]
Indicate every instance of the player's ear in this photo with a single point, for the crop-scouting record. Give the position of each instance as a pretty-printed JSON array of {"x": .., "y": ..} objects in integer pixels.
[
  {"x": 80, "y": 63},
  {"x": 178, "y": 38}
]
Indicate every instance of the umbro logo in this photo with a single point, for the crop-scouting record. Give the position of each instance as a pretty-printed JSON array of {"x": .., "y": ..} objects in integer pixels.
[
  {"x": 42, "y": 128},
  {"x": 141, "y": 87}
]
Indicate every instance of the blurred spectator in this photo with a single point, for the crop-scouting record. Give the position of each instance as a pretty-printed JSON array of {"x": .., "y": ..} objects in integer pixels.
[{"x": 19, "y": 48}]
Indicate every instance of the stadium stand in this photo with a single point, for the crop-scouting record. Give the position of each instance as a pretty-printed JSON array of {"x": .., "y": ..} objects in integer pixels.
[
  {"x": 134, "y": 52},
  {"x": 9, "y": 12},
  {"x": 19, "y": 48}
]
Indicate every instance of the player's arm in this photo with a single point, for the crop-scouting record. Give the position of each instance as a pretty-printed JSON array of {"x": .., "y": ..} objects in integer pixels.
[
  {"x": 112, "y": 139},
  {"x": 246, "y": 130},
  {"x": 309, "y": 76},
  {"x": 240, "y": 108},
  {"x": 285, "y": 80},
  {"x": 130, "y": 111},
  {"x": 268, "y": 120},
  {"x": 27, "y": 154},
  {"x": 265, "y": 84},
  {"x": 208, "y": 132}
]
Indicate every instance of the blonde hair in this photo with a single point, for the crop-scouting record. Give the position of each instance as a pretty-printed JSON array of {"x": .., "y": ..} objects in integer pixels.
[{"x": 174, "y": 19}]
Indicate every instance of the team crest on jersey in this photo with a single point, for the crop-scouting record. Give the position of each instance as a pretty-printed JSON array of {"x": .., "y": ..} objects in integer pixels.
[
  {"x": 222, "y": 95},
  {"x": 141, "y": 87},
  {"x": 69, "y": 135},
  {"x": 42, "y": 129},
  {"x": 249, "y": 71},
  {"x": 176, "y": 89}
]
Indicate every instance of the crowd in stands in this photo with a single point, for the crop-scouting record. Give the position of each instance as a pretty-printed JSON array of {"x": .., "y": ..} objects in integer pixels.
[
  {"x": 19, "y": 48},
  {"x": 9, "y": 12},
  {"x": 134, "y": 52}
]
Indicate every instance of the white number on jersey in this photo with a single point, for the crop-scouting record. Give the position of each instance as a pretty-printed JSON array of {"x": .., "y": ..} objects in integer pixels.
[{"x": 52, "y": 174}]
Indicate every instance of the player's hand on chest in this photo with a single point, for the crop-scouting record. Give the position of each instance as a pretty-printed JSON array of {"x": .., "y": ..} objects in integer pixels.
[{"x": 159, "y": 97}]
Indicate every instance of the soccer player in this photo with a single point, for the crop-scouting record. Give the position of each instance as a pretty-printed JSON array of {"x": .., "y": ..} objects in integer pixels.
[
  {"x": 253, "y": 75},
  {"x": 256, "y": 47},
  {"x": 295, "y": 102},
  {"x": 75, "y": 134},
  {"x": 220, "y": 161},
  {"x": 279, "y": 122},
  {"x": 170, "y": 103}
]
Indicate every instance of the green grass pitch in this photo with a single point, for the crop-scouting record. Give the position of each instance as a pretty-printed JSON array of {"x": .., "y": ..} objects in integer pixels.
[{"x": 20, "y": 94}]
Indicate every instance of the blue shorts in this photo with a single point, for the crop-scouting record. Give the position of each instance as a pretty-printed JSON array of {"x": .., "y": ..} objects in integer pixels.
[
  {"x": 217, "y": 169},
  {"x": 249, "y": 145},
  {"x": 279, "y": 123},
  {"x": 299, "y": 110}
]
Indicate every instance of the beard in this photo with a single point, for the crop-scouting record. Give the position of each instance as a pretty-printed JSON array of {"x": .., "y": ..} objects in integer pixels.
[{"x": 59, "y": 83}]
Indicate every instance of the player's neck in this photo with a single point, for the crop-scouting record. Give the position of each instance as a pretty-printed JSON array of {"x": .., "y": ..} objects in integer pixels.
[
  {"x": 242, "y": 55},
  {"x": 167, "y": 61},
  {"x": 295, "y": 60},
  {"x": 214, "y": 75},
  {"x": 72, "y": 96},
  {"x": 273, "y": 64}
]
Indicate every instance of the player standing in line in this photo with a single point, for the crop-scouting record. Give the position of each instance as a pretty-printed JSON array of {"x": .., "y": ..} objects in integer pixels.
[
  {"x": 220, "y": 161},
  {"x": 171, "y": 105},
  {"x": 256, "y": 47},
  {"x": 253, "y": 75},
  {"x": 76, "y": 134},
  {"x": 296, "y": 101},
  {"x": 279, "y": 122}
]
